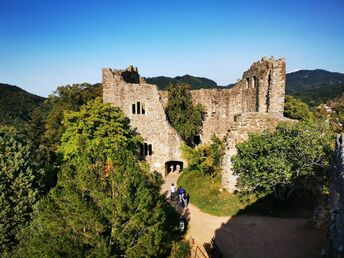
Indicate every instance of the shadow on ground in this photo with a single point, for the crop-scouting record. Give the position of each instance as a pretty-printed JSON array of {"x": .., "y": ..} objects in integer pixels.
[
  {"x": 253, "y": 232},
  {"x": 299, "y": 205}
]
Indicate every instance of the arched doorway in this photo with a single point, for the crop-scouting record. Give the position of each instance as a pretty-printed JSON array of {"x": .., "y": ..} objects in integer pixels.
[{"x": 173, "y": 166}]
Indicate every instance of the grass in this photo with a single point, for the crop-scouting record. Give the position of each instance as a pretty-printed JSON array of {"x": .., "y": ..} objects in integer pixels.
[
  {"x": 206, "y": 196},
  {"x": 204, "y": 193}
]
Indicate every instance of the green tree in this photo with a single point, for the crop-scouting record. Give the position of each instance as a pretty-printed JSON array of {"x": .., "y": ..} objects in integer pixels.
[
  {"x": 205, "y": 158},
  {"x": 185, "y": 117},
  {"x": 19, "y": 185},
  {"x": 295, "y": 156},
  {"x": 66, "y": 98},
  {"x": 46, "y": 127},
  {"x": 105, "y": 203},
  {"x": 296, "y": 109}
]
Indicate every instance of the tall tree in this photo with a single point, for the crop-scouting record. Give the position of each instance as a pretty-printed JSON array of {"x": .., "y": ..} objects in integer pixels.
[
  {"x": 19, "y": 185},
  {"x": 66, "y": 98},
  {"x": 46, "y": 127},
  {"x": 185, "y": 117},
  {"x": 105, "y": 203}
]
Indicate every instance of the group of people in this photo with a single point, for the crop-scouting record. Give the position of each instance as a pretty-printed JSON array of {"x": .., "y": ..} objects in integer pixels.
[
  {"x": 175, "y": 170},
  {"x": 183, "y": 196}
]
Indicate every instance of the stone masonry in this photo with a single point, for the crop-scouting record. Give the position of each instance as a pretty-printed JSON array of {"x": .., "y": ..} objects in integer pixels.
[
  {"x": 336, "y": 223},
  {"x": 253, "y": 104}
]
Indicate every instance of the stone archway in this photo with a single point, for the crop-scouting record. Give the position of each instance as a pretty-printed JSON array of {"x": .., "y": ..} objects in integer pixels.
[{"x": 173, "y": 166}]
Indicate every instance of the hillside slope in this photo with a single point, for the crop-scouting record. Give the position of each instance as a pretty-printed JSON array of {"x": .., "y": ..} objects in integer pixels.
[
  {"x": 16, "y": 104},
  {"x": 315, "y": 86},
  {"x": 305, "y": 80}
]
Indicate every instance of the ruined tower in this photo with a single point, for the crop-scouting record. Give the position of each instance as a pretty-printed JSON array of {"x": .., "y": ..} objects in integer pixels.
[{"x": 142, "y": 104}]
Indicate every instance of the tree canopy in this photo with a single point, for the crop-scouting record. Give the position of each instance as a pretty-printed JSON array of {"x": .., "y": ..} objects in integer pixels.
[
  {"x": 296, "y": 109},
  {"x": 295, "y": 155},
  {"x": 105, "y": 202},
  {"x": 205, "y": 157},
  {"x": 20, "y": 179},
  {"x": 185, "y": 117}
]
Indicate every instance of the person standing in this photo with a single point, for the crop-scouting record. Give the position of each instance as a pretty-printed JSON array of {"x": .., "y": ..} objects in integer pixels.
[
  {"x": 185, "y": 200},
  {"x": 173, "y": 192},
  {"x": 180, "y": 193}
]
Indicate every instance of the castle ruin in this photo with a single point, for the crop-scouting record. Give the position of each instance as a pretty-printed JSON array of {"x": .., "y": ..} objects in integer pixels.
[{"x": 253, "y": 104}]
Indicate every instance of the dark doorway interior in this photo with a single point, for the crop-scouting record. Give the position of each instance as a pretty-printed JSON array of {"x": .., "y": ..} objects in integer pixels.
[
  {"x": 173, "y": 166},
  {"x": 197, "y": 139}
]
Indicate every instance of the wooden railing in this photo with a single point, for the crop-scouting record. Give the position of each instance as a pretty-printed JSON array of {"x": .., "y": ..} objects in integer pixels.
[
  {"x": 199, "y": 252},
  {"x": 212, "y": 249}
]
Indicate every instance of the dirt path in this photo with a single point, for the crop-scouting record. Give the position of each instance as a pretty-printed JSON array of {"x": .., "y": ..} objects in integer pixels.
[{"x": 252, "y": 236}]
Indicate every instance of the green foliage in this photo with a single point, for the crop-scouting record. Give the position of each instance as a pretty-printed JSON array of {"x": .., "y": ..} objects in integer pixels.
[
  {"x": 205, "y": 157},
  {"x": 296, "y": 109},
  {"x": 315, "y": 97},
  {"x": 19, "y": 185},
  {"x": 186, "y": 118},
  {"x": 105, "y": 203},
  {"x": 66, "y": 98},
  {"x": 180, "y": 250},
  {"x": 296, "y": 155},
  {"x": 46, "y": 127}
]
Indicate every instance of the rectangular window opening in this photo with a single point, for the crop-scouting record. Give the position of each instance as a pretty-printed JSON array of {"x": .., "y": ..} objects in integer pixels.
[
  {"x": 149, "y": 149},
  {"x": 133, "y": 108},
  {"x": 141, "y": 150},
  {"x": 146, "y": 149},
  {"x": 138, "y": 108}
]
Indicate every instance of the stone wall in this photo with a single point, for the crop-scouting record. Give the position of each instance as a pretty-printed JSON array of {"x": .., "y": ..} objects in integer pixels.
[
  {"x": 260, "y": 91},
  {"x": 148, "y": 116},
  {"x": 336, "y": 223},
  {"x": 252, "y": 122}
]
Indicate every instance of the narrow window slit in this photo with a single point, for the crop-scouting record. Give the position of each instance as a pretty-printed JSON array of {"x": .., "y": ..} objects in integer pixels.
[{"x": 138, "y": 108}]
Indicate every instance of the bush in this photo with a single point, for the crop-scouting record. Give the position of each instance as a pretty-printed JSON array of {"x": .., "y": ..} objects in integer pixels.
[
  {"x": 205, "y": 157},
  {"x": 296, "y": 109}
]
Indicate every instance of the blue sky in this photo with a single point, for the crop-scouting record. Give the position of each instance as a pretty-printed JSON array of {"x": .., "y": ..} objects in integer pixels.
[{"x": 48, "y": 43}]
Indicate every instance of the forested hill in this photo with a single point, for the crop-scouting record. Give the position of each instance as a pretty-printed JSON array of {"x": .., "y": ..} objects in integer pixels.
[
  {"x": 16, "y": 104},
  {"x": 195, "y": 82},
  {"x": 305, "y": 80},
  {"x": 315, "y": 86}
]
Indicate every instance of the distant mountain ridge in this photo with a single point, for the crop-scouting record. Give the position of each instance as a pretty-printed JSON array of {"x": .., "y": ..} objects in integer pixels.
[
  {"x": 195, "y": 82},
  {"x": 305, "y": 80},
  {"x": 16, "y": 104},
  {"x": 315, "y": 86}
]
